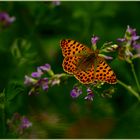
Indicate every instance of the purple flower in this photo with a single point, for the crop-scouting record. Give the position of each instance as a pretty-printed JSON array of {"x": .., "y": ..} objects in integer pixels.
[
  {"x": 90, "y": 95},
  {"x": 44, "y": 83},
  {"x": 5, "y": 19},
  {"x": 25, "y": 123},
  {"x": 135, "y": 38},
  {"x": 121, "y": 39},
  {"x": 46, "y": 67},
  {"x": 130, "y": 38},
  {"x": 29, "y": 81},
  {"x": 41, "y": 70},
  {"x": 89, "y": 90},
  {"x": 76, "y": 91},
  {"x": 136, "y": 45},
  {"x": 39, "y": 81},
  {"x": 94, "y": 40},
  {"x": 130, "y": 31},
  {"x": 18, "y": 124},
  {"x": 128, "y": 44},
  {"x": 37, "y": 74},
  {"x": 56, "y": 2}
]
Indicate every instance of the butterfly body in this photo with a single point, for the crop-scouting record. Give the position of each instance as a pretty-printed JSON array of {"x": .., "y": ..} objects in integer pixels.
[{"x": 85, "y": 64}]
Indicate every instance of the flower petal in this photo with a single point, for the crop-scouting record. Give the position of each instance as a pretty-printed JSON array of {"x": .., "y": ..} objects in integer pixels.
[
  {"x": 25, "y": 123},
  {"x": 46, "y": 67},
  {"x": 29, "y": 80},
  {"x": 89, "y": 97},
  {"x": 36, "y": 74},
  {"x": 44, "y": 83},
  {"x": 94, "y": 39},
  {"x": 76, "y": 91},
  {"x": 6, "y": 19}
]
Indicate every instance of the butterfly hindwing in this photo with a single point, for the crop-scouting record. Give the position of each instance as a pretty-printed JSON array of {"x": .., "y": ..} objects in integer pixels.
[
  {"x": 104, "y": 73},
  {"x": 70, "y": 63},
  {"x": 85, "y": 77}
]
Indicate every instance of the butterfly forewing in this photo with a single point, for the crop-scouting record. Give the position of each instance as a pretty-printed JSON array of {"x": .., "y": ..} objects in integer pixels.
[{"x": 71, "y": 47}]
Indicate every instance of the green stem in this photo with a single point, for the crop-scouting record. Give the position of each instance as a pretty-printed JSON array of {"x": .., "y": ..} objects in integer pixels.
[
  {"x": 135, "y": 76},
  {"x": 129, "y": 88},
  {"x": 63, "y": 75}
]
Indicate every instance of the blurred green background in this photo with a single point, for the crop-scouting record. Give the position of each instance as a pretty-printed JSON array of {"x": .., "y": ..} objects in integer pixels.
[{"x": 33, "y": 40}]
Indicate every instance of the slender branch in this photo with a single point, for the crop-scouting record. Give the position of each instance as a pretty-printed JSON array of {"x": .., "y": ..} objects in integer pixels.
[
  {"x": 129, "y": 88},
  {"x": 135, "y": 76}
]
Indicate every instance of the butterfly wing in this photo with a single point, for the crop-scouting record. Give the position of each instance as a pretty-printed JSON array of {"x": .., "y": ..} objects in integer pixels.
[
  {"x": 85, "y": 77},
  {"x": 104, "y": 73},
  {"x": 70, "y": 63},
  {"x": 71, "y": 47},
  {"x": 72, "y": 51}
]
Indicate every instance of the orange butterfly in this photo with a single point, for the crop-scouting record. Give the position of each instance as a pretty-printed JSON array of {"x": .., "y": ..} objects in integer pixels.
[{"x": 85, "y": 64}]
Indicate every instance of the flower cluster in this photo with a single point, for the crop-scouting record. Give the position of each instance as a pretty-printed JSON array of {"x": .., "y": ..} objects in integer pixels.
[
  {"x": 5, "y": 19},
  {"x": 19, "y": 123},
  {"x": 128, "y": 45},
  {"x": 25, "y": 123},
  {"x": 90, "y": 94},
  {"x": 38, "y": 79},
  {"x": 77, "y": 91},
  {"x": 128, "y": 48},
  {"x": 107, "y": 47}
]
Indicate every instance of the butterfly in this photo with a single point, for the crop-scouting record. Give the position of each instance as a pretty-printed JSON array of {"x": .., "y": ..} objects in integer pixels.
[{"x": 85, "y": 64}]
